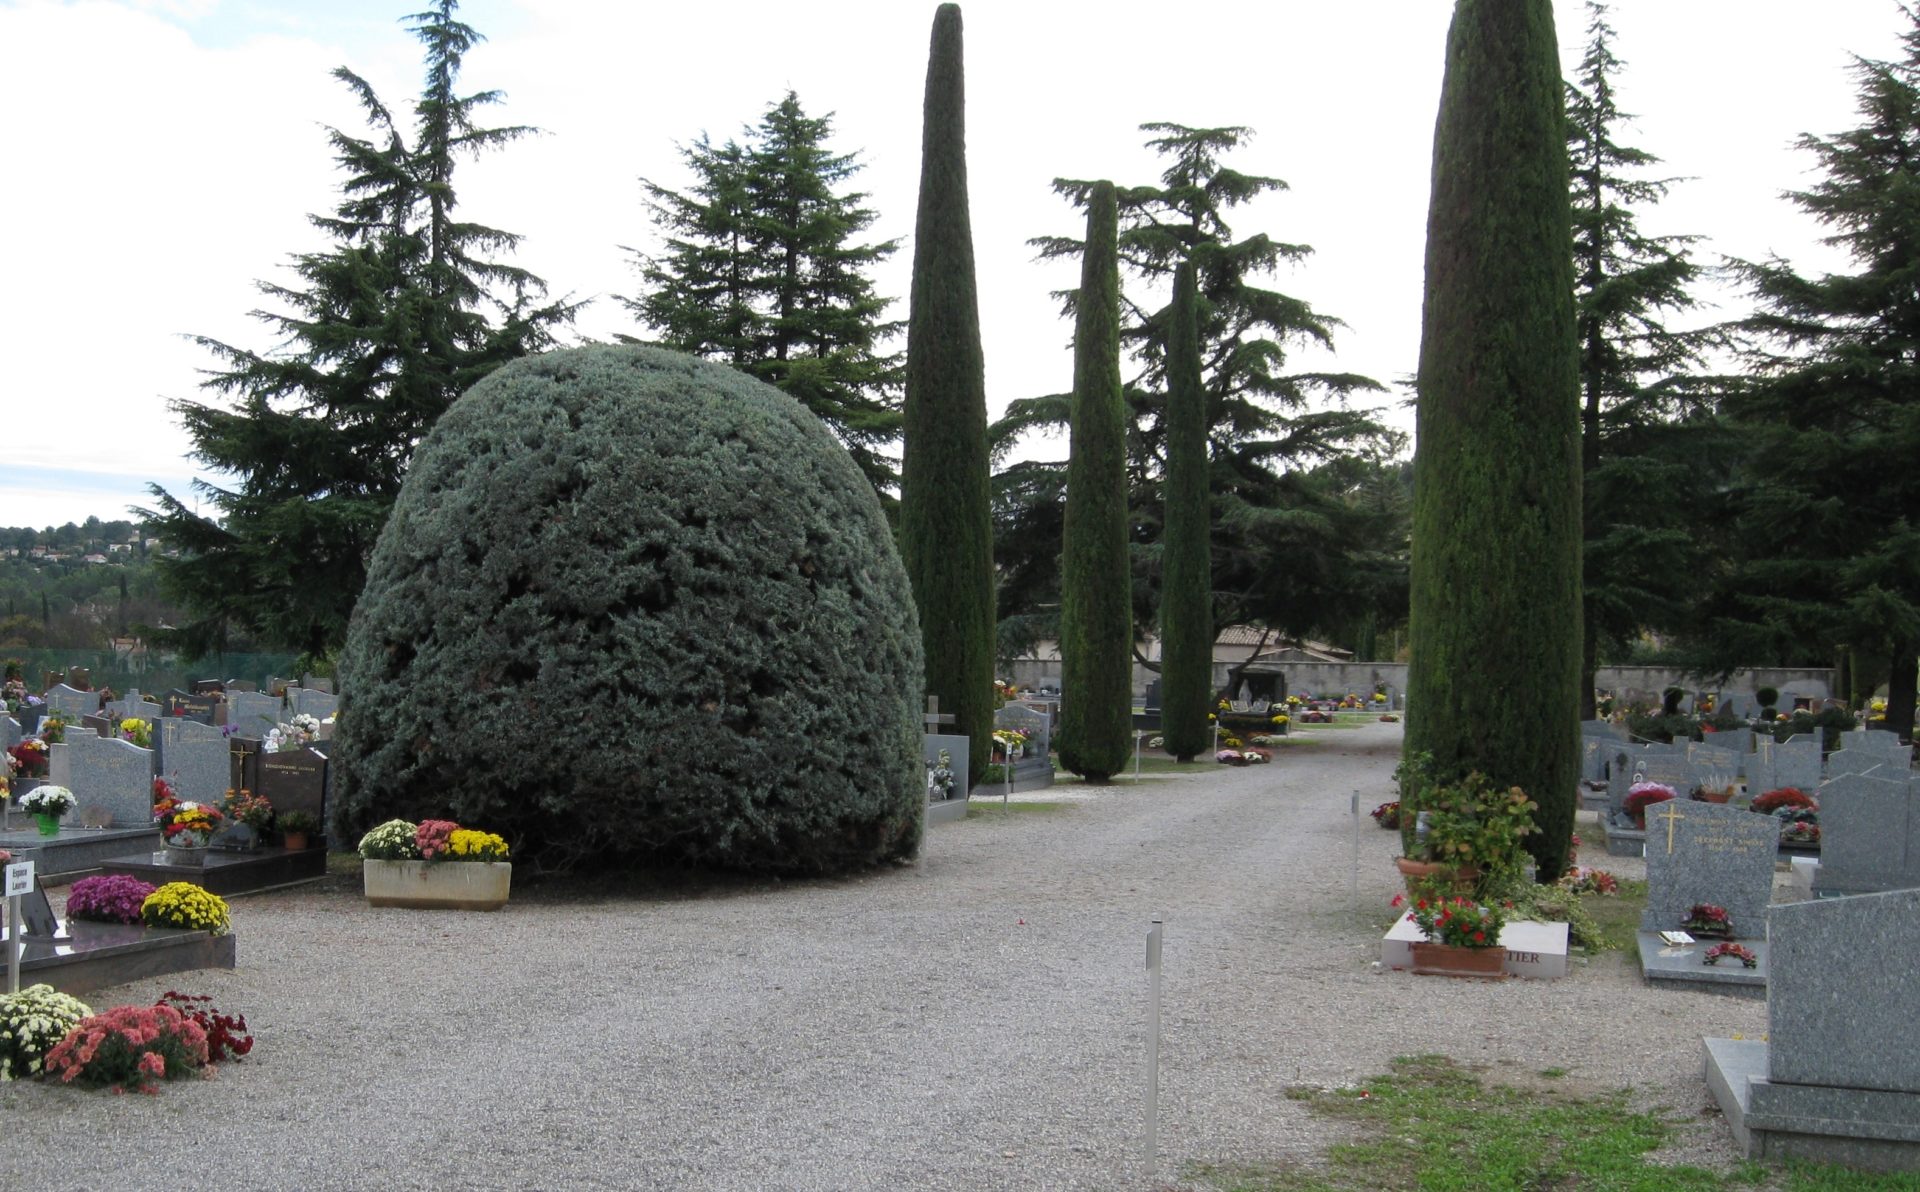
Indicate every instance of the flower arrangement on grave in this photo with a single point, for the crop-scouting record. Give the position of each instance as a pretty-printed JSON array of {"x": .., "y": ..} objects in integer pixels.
[
  {"x": 109, "y": 898},
  {"x": 139, "y": 732},
  {"x": 1387, "y": 815},
  {"x": 227, "y": 1036},
  {"x": 1739, "y": 952},
  {"x": 129, "y": 1047},
  {"x": 183, "y": 904},
  {"x": 184, "y": 823},
  {"x": 32, "y": 1023},
  {"x": 1230, "y": 757},
  {"x": 1282, "y": 719},
  {"x": 1379, "y": 697},
  {"x": 291, "y": 735},
  {"x": 29, "y": 758},
  {"x": 53, "y": 730},
  {"x": 1009, "y": 744},
  {"x": 1294, "y": 701},
  {"x": 1794, "y": 832},
  {"x": 1642, "y": 795},
  {"x": 1232, "y": 742},
  {"x": 55, "y": 801},
  {"x": 391, "y": 841},
  {"x": 1706, "y": 919},
  {"x": 1225, "y": 705},
  {"x": 1583, "y": 880},
  {"x": 1256, "y": 757},
  {"x": 1458, "y": 922},
  {"x": 296, "y": 825},
  {"x": 1786, "y": 798},
  {"x": 940, "y": 776},
  {"x": 14, "y": 693},
  {"x": 245, "y": 807},
  {"x": 1265, "y": 740},
  {"x": 1156, "y": 742},
  {"x": 1003, "y": 692}
]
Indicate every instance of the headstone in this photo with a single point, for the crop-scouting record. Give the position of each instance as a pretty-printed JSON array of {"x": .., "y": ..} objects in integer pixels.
[
  {"x": 11, "y": 733},
  {"x": 305, "y": 701},
  {"x": 1152, "y": 703},
  {"x": 1861, "y": 759},
  {"x": 107, "y": 773},
  {"x": 252, "y": 714},
  {"x": 313, "y": 684},
  {"x": 36, "y": 913},
  {"x": 296, "y": 780},
  {"x": 189, "y": 707},
  {"x": 208, "y": 687},
  {"x": 1840, "y": 1015},
  {"x": 957, "y": 748},
  {"x": 71, "y": 702},
  {"x": 194, "y": 757},
  {"x": 101, "y": 725},
  {"x": 1869, "y": 835},
  {"x": 232, "y": 685},
  {"x": 1712, "y": 853},
  {"x": 1036, "y": 725},
  {"x": 1870, "y": 738}
]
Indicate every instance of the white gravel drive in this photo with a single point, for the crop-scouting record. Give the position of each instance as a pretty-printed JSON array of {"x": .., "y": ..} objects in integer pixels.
[{"x": 974, "y": 1021}]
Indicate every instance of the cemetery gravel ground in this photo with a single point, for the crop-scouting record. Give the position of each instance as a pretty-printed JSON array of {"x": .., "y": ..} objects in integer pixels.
[{"x": 973, "y": 1021}]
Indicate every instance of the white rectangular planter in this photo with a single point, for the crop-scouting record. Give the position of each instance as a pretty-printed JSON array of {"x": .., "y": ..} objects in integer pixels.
[{"x": 445, "y": 885}]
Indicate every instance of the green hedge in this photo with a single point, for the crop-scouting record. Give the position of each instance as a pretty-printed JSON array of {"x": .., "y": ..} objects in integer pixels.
[{"x": 634, "y": 607}]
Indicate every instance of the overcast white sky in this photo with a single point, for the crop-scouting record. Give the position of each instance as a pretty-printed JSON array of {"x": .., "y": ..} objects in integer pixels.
[{"x": 164, "y": 155}]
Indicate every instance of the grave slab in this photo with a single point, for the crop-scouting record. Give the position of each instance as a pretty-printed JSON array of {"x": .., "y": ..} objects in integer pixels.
[
  {"x": 99, "y": 955},
  {"x": 226, "y": 873},
  {"x": 1671, "y": 966}
]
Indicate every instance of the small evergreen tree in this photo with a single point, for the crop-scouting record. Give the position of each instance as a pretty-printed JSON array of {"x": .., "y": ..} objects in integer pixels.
[
  {"x": 384, "y": 329},
  {"x": 1832, "y": 413},
  {"x": 1493, "y": 680},
  {"x": 946, "y": 526},
  {"x": 1186, "y": 585},
  {"x": 762, "y": 271},
  {"x": 1096, "y": 628}
]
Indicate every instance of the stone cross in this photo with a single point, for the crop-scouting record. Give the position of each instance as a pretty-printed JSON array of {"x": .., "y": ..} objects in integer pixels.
[
  {"x": 934, "y": 718},
  {"x": 1672, "y": 817}
]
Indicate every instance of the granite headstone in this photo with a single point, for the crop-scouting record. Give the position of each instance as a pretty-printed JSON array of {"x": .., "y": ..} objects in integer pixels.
[
  {"x": 1869, "y": 835},
  {"x": 1709, "y": 853},
  {"x": 194, "y": 757},
  {"x": 107, "y": 773}
]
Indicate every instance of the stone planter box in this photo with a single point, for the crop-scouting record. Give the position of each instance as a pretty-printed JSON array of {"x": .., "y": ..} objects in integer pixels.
[{"x": 446, "y": 885}]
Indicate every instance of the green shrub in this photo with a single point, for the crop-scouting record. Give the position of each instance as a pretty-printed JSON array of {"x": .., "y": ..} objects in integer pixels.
[{"x": 636, "y": 607}]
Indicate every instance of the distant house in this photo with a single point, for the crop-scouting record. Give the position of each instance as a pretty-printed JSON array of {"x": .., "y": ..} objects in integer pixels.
[{"x": 93, "y": 558}]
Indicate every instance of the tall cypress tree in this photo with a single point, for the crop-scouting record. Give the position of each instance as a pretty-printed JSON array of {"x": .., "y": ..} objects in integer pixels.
[
  {"x": 1493, "y": 684},
  {"x": 1096, "y": 621},
  {"x": 388, "y": 327},
  {"x": 946, "y": 527},
  {"x": 1186, "y": 584}
]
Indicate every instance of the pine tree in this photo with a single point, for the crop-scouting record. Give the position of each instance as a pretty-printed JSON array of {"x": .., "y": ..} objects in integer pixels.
[
  {"x": 386, "y": 327},
  {"x": 762, "y": 271},
  {"x": 1495, "y": 667},
  {"x": 1641, "y": 452},
  {"x": 1186, "y": 586},
  {"x": 1827, "y": 508},
  {"x": 1096, "y": 626},
  {"x": 1267, "y": 427},
  {"x": 946, "y": 527}
]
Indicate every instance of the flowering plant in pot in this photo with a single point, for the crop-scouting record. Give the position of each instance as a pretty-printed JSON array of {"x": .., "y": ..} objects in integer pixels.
[
  {"x": 183, "y": 904},
  {"x": 1642, "y": 795},
  {"x": 417, "y": 865},
  {"x": 1473, "y": 829},
  {"x": 297, "y": 828},
  {"x": 1387, "y": 815},
  {"x": 29, "y": 758},
  {"x": 1456, "y": 922},
  {"x": 32, "y": 1022},
  {"x": 184, "y": 823},
  {"x": 54, "y": 801},
  {"x": 137, "y": 731},
  {"x": 108, "y": 898}
]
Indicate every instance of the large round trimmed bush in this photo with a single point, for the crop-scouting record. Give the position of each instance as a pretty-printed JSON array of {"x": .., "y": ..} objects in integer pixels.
[{"x": 633, "y": 607}]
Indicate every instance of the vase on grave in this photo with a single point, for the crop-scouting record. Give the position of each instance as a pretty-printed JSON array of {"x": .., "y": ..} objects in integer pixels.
[
  {"x": 187, "y": 848},
  {"x": 1451, "y": 960},
  {"x": 49, "y": 824},
  {"x": 438, "y": 885}
]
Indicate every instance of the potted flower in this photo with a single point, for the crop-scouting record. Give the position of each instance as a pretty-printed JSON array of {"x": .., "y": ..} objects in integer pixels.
[
  {"x": 1786, "y": 798},
  {"x": 435, "y": 864},
  {"x": 185, "y": 827},
  {"x": 297, "y": 829},
  {"x": 46, "y": 804},
  {"x": 1642, "y": 795},
  {"x": 1463, "y": 936},
  {"x": 1387, "y": 815},
  {"x": 1466, "y": 834},
  {"x": 251, "y": 810}
]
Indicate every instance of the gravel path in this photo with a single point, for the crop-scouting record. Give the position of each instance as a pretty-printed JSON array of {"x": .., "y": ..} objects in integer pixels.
[{"x": 974, "y": 1021}]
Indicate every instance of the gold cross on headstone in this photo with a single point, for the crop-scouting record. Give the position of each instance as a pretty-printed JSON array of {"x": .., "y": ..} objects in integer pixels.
[{"x": 1672, "y": 816}]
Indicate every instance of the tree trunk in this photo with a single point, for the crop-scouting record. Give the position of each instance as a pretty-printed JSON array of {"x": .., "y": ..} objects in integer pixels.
[{"x": 1900, "y": 689}]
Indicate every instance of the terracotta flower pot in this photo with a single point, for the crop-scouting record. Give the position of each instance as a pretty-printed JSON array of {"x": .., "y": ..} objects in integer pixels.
[
  {"x": 1460, "y": 877},
  {"x": 1448, "y": 960}
]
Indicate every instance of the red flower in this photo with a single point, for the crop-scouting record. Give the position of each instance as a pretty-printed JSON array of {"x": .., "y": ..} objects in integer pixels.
[{"x": 1479, "y": 937}]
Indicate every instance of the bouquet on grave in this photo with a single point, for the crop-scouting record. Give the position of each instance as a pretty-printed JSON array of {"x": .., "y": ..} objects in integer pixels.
[
  {"x": 288, "y": 736},
  {"x": 48, "y": 800},
  {"x": 184, "y": 823},
  {"x": 29, "y": 758},
  {"x": 940, "y": 777},
  {"x": 1009, "y": 744},
  {"x": 108, "y": 898},
  {"x": 1387, "y": 815},
  {"x": 245, "y": 807},
  {"x": 1642, "y": 795},
  {"x": 1738, "y": 952},
  {"x": 137, "y": 731},
  {"x": 1459, "y": 922}
]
